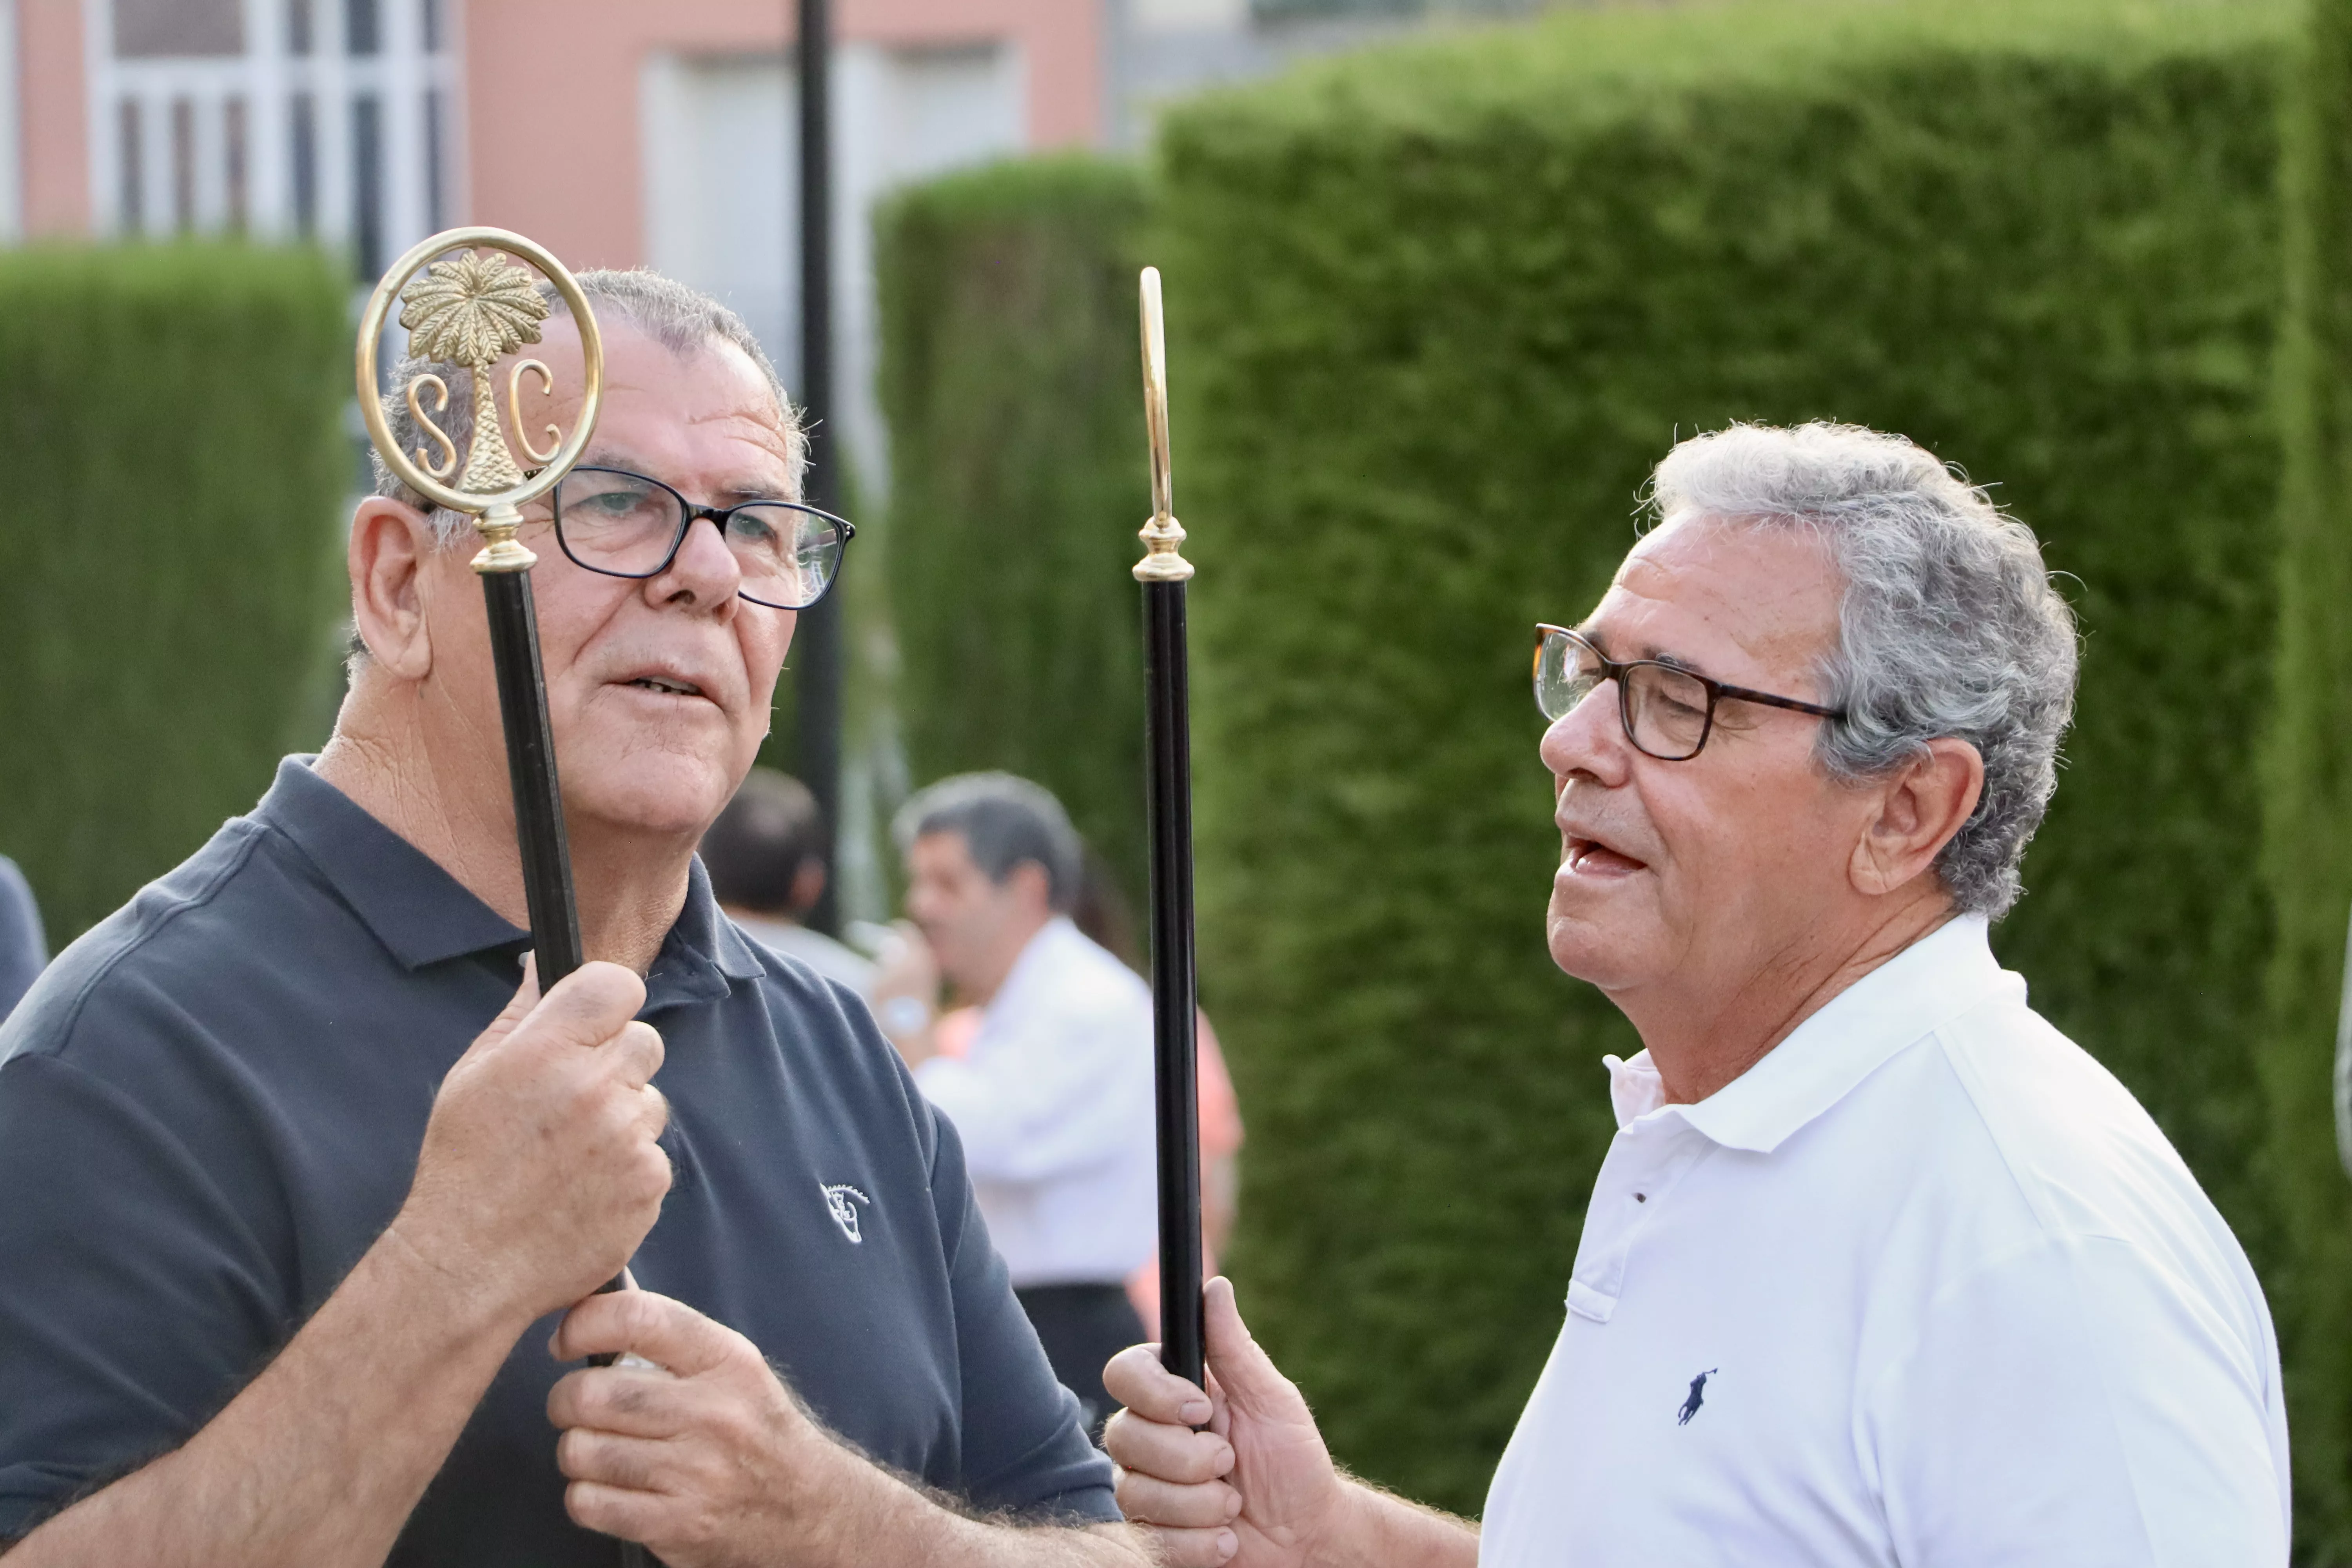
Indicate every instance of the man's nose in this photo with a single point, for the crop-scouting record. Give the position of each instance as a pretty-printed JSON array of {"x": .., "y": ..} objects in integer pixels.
[
  {"x": 1589, "y": 740},
  {"x": 704, "y": 569}
]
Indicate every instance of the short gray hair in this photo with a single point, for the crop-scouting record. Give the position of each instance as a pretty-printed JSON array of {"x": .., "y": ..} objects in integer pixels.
[
  {"x": 683, "y": 320},
  {"x": 1949, "y": 626},
  {"x": 1004, "y": 821}
]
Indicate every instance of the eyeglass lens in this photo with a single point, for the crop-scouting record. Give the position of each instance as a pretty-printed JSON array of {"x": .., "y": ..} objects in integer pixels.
[
  {"x": 1665, "y": 709},
  {"x": 626, "y": 526}
]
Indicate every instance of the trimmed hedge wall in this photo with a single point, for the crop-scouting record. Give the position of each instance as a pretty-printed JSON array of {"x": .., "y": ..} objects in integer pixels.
[
  {"x": 2308, "y": 819},
  {"x": 1018, "y": 480},
  {"x": 1437, "y": 310},
  {"x": 169, "y": 554}
]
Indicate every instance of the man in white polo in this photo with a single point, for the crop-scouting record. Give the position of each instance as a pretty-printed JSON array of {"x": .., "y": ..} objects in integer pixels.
[{"x": 1880, "y": 1269}]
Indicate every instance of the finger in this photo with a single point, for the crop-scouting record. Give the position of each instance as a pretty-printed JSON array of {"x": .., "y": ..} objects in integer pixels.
[
  {"x": 630, "y": 1402},
  {"x": 618, "y": 1511},
  {"x": 1194, "y": 1548},
  {"x": 636, "y": 1053},
  {"x": 1170, "y": 1453},
  {"x": 1136, "y": 1379},
  {"x": 1151, "y": 1501},
  {"x": 587, "y": 1007},
  {"x": 1250, "y": 1381},
  {"x": 607, "y": 1459},
  {"x": 670, "y": 1334}
]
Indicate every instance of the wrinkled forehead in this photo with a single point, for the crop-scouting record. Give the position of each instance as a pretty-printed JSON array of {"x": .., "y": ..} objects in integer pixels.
[{"x": 1742, "y": 600}]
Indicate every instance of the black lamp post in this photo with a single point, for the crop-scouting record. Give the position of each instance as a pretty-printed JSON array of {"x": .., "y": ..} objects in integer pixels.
[{"x": 817, "y": 644}]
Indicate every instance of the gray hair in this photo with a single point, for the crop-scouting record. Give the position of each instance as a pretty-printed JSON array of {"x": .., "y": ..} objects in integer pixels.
[
  {"x": 1949, "y": 626},
  {"x": 1004, "y": 821},
  {"x": 682, "y": 319}
]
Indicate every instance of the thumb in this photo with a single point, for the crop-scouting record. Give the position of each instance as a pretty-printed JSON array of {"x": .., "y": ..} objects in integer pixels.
[
  {"x": 1252, "y": 1382},
  {"x": 517, "y": 1009}
]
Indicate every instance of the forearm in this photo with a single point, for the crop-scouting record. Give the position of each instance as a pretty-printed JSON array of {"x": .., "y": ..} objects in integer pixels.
[
  {"x": 886, "y": 1520},
  {"x": 318, "y": 1462},
  {"x": 1382, "y": 1529}
]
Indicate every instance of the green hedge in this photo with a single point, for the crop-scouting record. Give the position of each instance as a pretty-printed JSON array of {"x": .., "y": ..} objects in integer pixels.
[
  {"x": 168, "y": 548},
  {"x": 1018, "y": 480},
  {"x": 1436, "y": 312},
  {"x": 2308, "y": 819}
]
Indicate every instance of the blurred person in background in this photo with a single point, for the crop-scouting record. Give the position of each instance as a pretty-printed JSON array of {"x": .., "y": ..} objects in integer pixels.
[
  {"x": 1053, "y": 1100},
  {"x": 22, "y": 950},
  {"x": 1880, "y": 1267},
  {"x": 767, "y": 855}
]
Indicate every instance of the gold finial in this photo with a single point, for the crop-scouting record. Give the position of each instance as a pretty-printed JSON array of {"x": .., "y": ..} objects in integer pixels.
[
  {"x": 474, "y": 309},
  {"x": 1163, "y": 536}
]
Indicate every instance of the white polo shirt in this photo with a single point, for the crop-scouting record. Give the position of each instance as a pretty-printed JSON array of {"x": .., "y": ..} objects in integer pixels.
[
  {"x": 1054, "y": 1107},
  {"x": 1924, "y": 1286}
]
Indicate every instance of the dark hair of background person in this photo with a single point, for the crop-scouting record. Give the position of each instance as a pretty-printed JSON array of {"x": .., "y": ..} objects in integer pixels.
[
  {"x": 1004, "y": 821},
  {"x": 755, "y": 851},
  {"x": 1102, "y": 913}
]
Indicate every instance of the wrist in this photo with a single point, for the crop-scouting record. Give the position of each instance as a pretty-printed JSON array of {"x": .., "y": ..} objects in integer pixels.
[{"x": 440, "y": 1285}]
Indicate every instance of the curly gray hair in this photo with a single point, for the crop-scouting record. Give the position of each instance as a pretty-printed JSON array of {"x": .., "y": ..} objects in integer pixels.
[
  {"x": 682, "y": 319},
  {"x": 1947, "y": 626}
]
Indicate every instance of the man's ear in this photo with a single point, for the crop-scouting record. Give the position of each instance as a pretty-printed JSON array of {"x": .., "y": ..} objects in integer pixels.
[
  {"x": 390, "y": 546},
  {"x": 1919, "y": 807}
]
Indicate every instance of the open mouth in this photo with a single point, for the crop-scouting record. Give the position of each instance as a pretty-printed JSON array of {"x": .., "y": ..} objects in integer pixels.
[
  {"x": 666, "y": 685},
  {"x": 1590, "y": 857}
]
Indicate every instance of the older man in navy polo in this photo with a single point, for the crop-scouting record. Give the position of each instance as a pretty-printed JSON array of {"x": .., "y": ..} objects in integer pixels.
[{"x": 306, "y": 1178}]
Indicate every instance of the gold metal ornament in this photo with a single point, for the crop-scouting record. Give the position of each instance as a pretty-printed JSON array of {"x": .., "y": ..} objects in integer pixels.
[
  {"x": 474, "y": 309},
  {"x": 1163, "y": 536}
]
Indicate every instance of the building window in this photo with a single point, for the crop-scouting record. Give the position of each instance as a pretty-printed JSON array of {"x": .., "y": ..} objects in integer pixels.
[
  {"x": 183, "y": 164},
  {"x": 304, "y": 123},
  {"x": 238, "y": 159},
  {"x": 299, "y": 39},
  {"x": 178, "y": 29},
  {"x": 362, "y": 33},
  {"x": 367, "y": 184},
  {"x": 133, "y": 194},
  {"x": 436, "y": 201}
]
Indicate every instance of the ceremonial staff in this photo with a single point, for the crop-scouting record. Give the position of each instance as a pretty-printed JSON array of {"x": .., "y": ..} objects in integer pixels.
[
  {"x": 472, "y": 309},
  {"x": 1168, "y": 794}
]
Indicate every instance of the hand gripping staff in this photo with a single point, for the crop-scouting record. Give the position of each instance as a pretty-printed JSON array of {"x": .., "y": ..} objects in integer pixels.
[
  {"x": 464, "y": 303},
  {"x": 1167, "y": 797}
]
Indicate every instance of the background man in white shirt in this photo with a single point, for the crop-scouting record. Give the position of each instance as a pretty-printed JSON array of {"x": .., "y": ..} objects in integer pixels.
[
  {"x": 1880, "y": 1269},
  {"x": 1053, "y": 1100}
]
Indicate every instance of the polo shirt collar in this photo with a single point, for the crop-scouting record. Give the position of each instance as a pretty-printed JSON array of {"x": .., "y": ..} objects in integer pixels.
[
  {"x": 1924, "y": 986},
  {"x": 423, "y": 915}
]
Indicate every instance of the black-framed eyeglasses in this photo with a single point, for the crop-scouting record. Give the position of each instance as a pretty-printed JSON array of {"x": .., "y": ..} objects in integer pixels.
[
  {"x": 626, "y": 525},
  {"x": 1668, "y": 711}
]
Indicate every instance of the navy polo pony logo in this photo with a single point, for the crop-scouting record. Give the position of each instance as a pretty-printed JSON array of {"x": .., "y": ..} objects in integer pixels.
[{"x": 1698, "y": 1396}]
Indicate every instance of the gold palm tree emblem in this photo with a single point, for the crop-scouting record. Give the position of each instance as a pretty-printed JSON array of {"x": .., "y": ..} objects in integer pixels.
[{"x": 474, "y": 311}]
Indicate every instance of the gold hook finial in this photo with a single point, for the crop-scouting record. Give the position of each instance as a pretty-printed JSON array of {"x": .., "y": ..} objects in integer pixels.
[{"x": 1163, "y": 536}]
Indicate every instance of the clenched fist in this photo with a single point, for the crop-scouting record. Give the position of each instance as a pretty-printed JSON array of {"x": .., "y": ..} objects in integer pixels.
[{"x": 540, "y": 1172}]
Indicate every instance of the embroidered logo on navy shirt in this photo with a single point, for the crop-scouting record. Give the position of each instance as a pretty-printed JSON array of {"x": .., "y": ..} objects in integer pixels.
[
  {"x": 1698, "y": 1396},
  {"x": 844, "y": 1212}
]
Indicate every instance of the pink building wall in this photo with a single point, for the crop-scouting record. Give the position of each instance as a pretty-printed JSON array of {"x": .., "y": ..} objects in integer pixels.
[
  {"x": 551, "y": 93},
  {"x": 54, "y": 132},
  {"x": 551, "y": 98}
]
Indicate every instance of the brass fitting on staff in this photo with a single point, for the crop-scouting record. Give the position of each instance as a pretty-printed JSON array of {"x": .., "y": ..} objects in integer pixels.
[{"x": 1163, "y": 536}]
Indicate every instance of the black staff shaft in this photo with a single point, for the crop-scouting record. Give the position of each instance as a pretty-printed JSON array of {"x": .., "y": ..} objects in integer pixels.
[
  {"x": 539, "y": 810},
  {"x": 531, "y": 769},
  {"x": 1169, "y": 739}
]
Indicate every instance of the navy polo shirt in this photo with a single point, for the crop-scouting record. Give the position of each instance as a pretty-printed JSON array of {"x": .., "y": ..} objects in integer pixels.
[{"x": 211, "y": 1106}]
